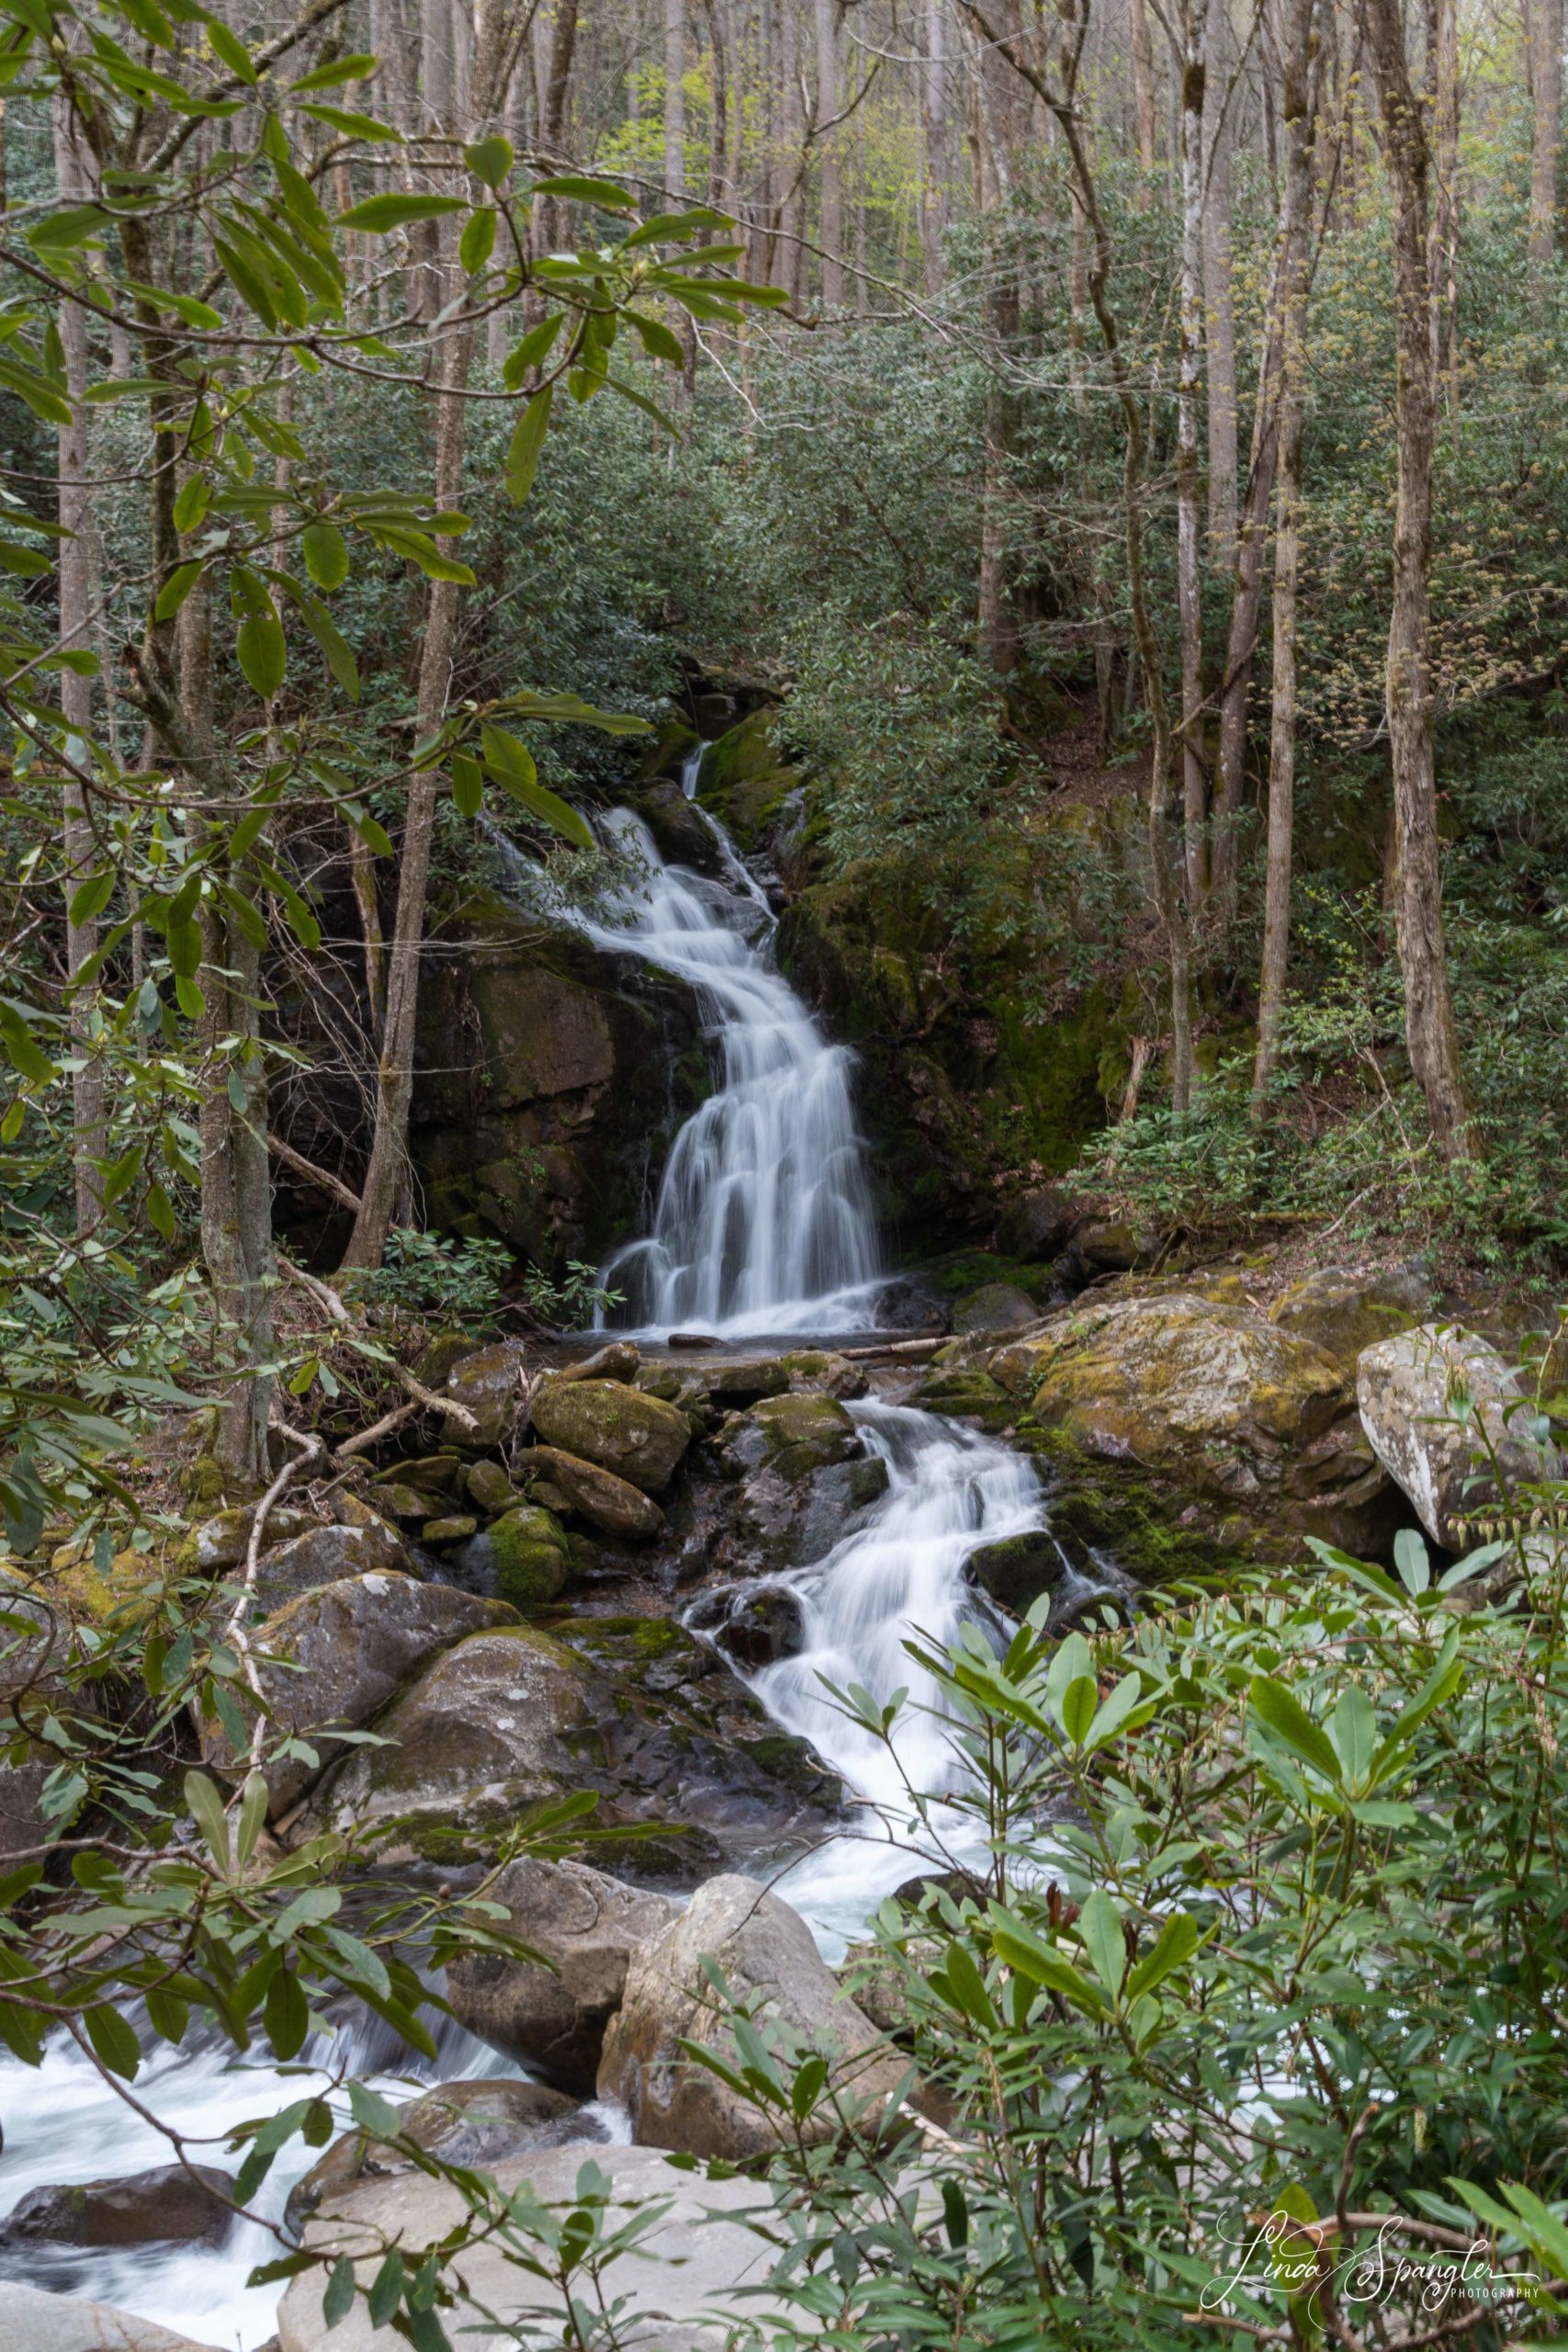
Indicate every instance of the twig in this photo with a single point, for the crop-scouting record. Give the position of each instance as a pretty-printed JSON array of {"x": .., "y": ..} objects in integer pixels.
[
  {"x": 378, "y": 1430},
  {"x": 322, "y": 1293},
  {"x": 322, "y": 1178},
  {"x": 234, "y": 1632}
]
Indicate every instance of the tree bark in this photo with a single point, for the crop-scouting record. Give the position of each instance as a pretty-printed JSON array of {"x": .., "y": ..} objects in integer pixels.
[
  {"x": 1298, "y": 128},
  {"x": 936, "y": 107},
  {"x": 831, "y": 202},
  {"x": 1143, "y": 84},
  {"x": 1431, "y": 1035},
  {"x": 674, "y": 100},
  {"x": 1444, "y": 261},
  {"x": 1189, "y": 589},
  {"x": 1546, "y": 77},
  {"x": 89, "y": 1117},
  {"x": 1219, "y": 300}
]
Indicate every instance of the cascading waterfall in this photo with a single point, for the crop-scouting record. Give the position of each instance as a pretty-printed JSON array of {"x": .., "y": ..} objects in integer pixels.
[{"x": 763, "y": 1222}]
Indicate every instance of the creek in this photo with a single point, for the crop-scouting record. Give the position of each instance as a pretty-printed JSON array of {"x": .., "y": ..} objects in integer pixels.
[{"x": 762, "y": 1229}]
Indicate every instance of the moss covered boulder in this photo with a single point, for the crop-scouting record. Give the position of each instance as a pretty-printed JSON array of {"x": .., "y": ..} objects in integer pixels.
[
  {"x": 522, "y": 1557},
  {"x": 745, "y": 780},
  {"x": 1016, "y": 1569},
  {"x": 636, "y": 1437},
  {"x": 681, "y": 1757},
  {"x": 806, "y": 1481},
  {"x": 1342, "y": 1311},
  {"x": 1240, "y": 1435},
  {"x": 612, "y": 1505},
  {"x": 996, "y": 1307}
]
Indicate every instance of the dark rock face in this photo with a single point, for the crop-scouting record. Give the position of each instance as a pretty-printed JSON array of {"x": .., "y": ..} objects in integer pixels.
[
  {"x": 164, "y": 2205},
  {"x": 754, "y": 1628},
  {"x": 326, "y": 1554},
  {"x": 551, "y": 1077},
  {"x": 1038, "y": 1224},
  {"x": 683, "y": 1758},
  {"x": 804, "y": 1476},
  {"x": 1016, "y": 1570}
]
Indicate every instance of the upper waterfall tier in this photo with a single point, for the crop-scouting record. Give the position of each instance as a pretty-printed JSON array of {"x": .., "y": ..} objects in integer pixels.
[{"x": 764, "y": 1221}]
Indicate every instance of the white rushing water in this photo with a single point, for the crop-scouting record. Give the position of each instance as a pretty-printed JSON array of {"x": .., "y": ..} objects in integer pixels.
[{"x": 764, "y": 1223}]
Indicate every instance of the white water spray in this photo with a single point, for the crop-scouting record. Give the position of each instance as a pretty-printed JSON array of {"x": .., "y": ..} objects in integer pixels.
[{"x": 763, "y": 1222}]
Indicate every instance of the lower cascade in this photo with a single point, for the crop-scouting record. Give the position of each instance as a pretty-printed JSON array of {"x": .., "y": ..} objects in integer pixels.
[{"x": 764, "y": 1221}]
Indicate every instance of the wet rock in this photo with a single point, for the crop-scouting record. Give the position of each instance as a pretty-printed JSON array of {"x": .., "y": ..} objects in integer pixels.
[
  {"x": 754, "y": 1628},
  {"x": 748, "y": 1381},
  {"x": 794, "y": 1511},
  {"x": 995, "y": 1306},
  {"x": 490, "y": 1489},
  {"x": 619, "y": 1361},
  {"x": 636, "y": 1437},
  {"x": 522, "y": 1557},
  {"x": 793, "y": 1433},
  {"x": 32, "y": 2321},
  {"x": 1109, "y": 1245},
  {"x": 586, "y": 1926},
  {"x": 402, "y": 1502},
  {"x": 612, "y": 1504},
  {"x": 1017, "y": 1569},
  {"x": 821, "y": 1368},
  {"x": 331, "y": 1658},
  {"x": 165, "y": 2205},
  {"x": 456, "y": 1528},
  {"x": 630, "y": 1709},
  {"x": 1411, "y": 1390},
  {"x": 326, "y": 1556},
  {"x": 768, "y": 1958},
  {"x": 1343, "y": 1312},
  {"x": 469, "y": 2123},
  {"x": 966, "y": 1392},
  {"x": 696, "y": 2261},
  {"x": 1038, "y": 1224},
  {"x": 491, "y": 1383}
]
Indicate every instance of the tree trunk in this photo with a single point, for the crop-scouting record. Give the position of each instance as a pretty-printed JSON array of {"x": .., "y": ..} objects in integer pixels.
[
  {"x": 674, "y": 100},
  {"x": 831, "y": 203},
  {"x": 1190, "y": 591},
  {"x": 1298, "y": 126},
  {"x": 1144, "y": 84},
  {"x": 1430, "y": 1033},
  {"x": 1219, "y": 300},
  {"x": 89, "y": 1124},
  {"x": 1546, "y": 77},
  {"x": 935, "y": 91},
  {"x": 1444, "y": 261}
]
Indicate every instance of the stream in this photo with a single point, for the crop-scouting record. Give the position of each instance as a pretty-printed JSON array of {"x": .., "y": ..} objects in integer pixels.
[{"x": 762, "y": 1229}]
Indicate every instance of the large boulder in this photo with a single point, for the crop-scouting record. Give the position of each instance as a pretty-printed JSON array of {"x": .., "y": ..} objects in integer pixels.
[
  {"x": 685, "y": 2265},
  {"x": 995, "y": 1306},
  {"x": 328, "y": 1554},
  {"x": 1433, "y": 1402},
  {"x": 1342, "y": 1311},
  {"x": 1204, "y": 1428},
  {"x": 680, "y": 1756},
  {"x": 769, "y": 1959},
  {"x": 492, "y": 1384},
  {"x": 635, "y": 1437},
  {"x": 1038, "y": 1224},
  {"x": 469, "y": 2123},
  {"x": 166, "y": 2205},
  {"x": 612, "y": 1505},
  {"x": 585, "y": 1928},
  {"x": 806, "y": 1479},
  {"x": 34, "y": 2320},
  {"x": 522, "y": 1557},
  {"x": 330, "y": 1659},
  {"x": 1016, "y": 1569}
]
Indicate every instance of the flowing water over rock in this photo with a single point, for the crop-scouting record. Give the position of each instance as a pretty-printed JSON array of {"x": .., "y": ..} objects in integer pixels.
[{"x": 763, "y": 1222}]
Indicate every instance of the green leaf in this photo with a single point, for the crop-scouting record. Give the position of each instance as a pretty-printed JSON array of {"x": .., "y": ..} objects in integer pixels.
[
  {"x": 206, "y": 1806},
  {"x": 532, "y": 351},
  {"x": 192, "y": 503},
  {"x": 489, "y": 160},
  {"x": 354, "y": 126},
  {"x": 478, "y": 241},
  {"x": 287, "y": 2016},
  {"x": 326, "y": 554},
  {"x": 1100, "y": 1924},
  {"x": 263, "y": 654},
  {"x": 528, "y": 440},
  {"x": 340, "y": 659},
  {"x": 580, "y": 190},
  {"x": 252, "y": 1815},
  {"x": 467, "y": 785},
  {"x": 372, "y": 2112},
  {"x": 113, "y": 2040},
  {"x": 338, "y": 2301},
  {"x": 1110, "y": 1717},
  {"x": 672, "y": 227},
  {"x": 1410, "y": 1558},
  {"x": 39, "y": 396},
  {"x": 358, "y": 68},
  {"x": 657, "y": 341},
  {"x": 90, "y": 897},
  {"x": 1353, "y": 1728},
  {"x": 1178, "y": 1941},
  {"x": 231, "y": 52},
  {"x": 396, "y": 210},
  {"x": 161, "y": 1211},
  {"x": 1282, "y": 1714},
  {"x": 1023, "y": 1952},
  {"x": 1080, "y": 1702},
  {"x": 175, "y": 589}
]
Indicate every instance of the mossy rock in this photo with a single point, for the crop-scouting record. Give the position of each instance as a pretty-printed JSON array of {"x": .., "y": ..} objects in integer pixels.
[
  {"x": 127, "y": 1593},
  {"x": 805, "y": 1426},
  {"x": 490, "y": 1489},
  {"x": 745, "y": 780},
  {"x": 635, "y": 1436},
  {"x": 1096, "y": 1505},
  {"x": 965, "y": 1394},
  {"x": 532, "y": 1560}
]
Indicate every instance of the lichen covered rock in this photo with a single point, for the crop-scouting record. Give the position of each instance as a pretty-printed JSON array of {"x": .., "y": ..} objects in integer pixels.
[
  {"x": 614, "y": 1505},
  {"x": 1435, "y": 1403},
  {"x": 1343, "y": 1312}
]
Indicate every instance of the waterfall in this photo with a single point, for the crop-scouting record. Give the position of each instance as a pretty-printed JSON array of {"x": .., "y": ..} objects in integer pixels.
[{"x": 764, "y": 1221}]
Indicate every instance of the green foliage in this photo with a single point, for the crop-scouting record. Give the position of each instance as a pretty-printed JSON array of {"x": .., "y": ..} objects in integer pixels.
[{"x": 451, "y": 1281}]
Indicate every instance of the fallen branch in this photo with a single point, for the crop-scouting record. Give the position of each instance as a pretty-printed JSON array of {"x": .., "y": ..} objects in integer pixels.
[
  {"x": 322, "y": 1293},
  {"x": 234, "y": 1632},
  {"x": 909, "y": 1347},
  {"x": 321, "y": 1178},
  {"x": 431, "y": 1402},
  {"x": 364, "y": 1439}
]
